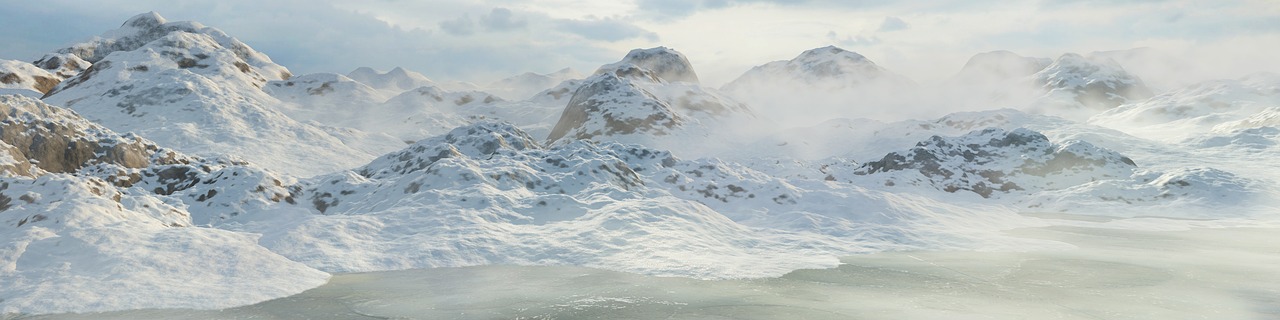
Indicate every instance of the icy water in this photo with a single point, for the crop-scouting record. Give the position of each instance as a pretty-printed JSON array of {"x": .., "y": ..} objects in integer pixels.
[{"x": 1201, "y": 273}]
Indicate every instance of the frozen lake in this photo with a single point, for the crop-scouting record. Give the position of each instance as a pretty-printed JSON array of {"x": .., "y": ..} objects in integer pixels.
[{"x": 1114, "y": 273}]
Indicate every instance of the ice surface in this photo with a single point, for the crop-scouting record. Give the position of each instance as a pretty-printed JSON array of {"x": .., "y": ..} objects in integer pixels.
[{"x": 1176, "y": 269}]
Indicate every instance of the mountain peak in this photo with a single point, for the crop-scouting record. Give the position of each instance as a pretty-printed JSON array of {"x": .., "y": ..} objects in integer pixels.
[
  {"x": 1095, "y": 82},
  {"x": 146, "y": 20},
  {"x": 830, "y": 52},
  {"x": 665, "y": 63}
]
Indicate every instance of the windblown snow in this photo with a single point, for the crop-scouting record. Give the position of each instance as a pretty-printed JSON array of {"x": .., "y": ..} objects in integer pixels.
[{"x": 169, "y": 165}]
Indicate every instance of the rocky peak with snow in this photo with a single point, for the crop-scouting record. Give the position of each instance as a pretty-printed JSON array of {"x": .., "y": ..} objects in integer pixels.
[
  {"x": 609, "y": 105},
  {"x": 993, "y": 161},
  {"x": 628, "y": 101},
  {"x": 1096, "y": 83},
  {"x": 662, "y": 62},
  {"x": 20, "y": 75},
  {"x": 202, "y": 92}
]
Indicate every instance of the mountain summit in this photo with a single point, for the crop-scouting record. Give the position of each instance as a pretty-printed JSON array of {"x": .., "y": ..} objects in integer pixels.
[{"x": 198, "y": 90}]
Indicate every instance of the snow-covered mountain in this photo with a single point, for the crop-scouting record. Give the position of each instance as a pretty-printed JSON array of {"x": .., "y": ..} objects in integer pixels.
[
  {"x": 195, "y": 89},
  {"x": 827, "y": 81},
  {"x": 142, "y": 196},
  {"x": 93, "y": 220},
  {"x": 993, "y": 161},
  {"x": 629, "y": 101},
  {"x": 1093, "y": 83}
]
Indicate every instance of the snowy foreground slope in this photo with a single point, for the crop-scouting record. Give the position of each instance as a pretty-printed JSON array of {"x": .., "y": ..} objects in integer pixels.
[{"x": 171, "y": 166}]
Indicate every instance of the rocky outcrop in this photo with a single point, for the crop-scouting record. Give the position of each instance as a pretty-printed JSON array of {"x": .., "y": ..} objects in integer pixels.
[
  {"x": 628, "y": 98},
  {"x": 661, "y": 62},
  {"x": 610, "y": 105},
  {"x": 22, "y": 75},
  {"x": 1091, "y": 82},
  {"x": 993, "y": 161}
]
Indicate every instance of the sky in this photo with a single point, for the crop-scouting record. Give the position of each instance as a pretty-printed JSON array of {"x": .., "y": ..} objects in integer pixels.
[{"x": 484, "y": 40}]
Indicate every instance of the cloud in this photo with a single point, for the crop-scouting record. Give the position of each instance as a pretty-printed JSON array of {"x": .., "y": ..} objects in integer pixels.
[
  {"x": 892, "y": 24},
  {"x": 850, "y": 42},
  {"x": 501, "y": 19},
  {"x": 605, "y": 29},
  {"x": 462, "y": 26}
]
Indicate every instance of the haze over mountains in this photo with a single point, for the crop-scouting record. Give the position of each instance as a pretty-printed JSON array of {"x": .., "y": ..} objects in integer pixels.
[{"x": 170, "y": 165}]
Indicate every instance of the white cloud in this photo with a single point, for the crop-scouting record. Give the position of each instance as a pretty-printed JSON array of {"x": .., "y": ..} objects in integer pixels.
[
  {"x": 462, "y": 26},
  {"x": 485, "y": 39},
  {"x": 892, "y": 24}
]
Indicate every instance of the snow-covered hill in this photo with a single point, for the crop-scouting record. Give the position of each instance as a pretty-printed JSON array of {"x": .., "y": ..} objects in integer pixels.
[
  {"x": 142, "y": 196},
  {"x": 92, "y": 220},
  {"x": 821, "y": 82},
  {"x": 195, "y": 89},
  {"x": 628, "y": 101},
  {"x": 1219, "y": 106},
  {"x": 18, "y": 75},
  {"x": 1076, "y": 82}
]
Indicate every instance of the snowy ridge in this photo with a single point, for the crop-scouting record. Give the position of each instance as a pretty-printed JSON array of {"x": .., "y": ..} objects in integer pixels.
[
  {"x": 664, "y": 63},
  {"x": 196, "y": 173},
  {"x": 1218, "y": 106},
  {"x": 507, "y": 199},
  {"x": 190, "y": 92},
  {"x": 992, "y": 160},
  {"x": 78, "y": 202},
  {"x": 1096, "y": 83},
  {"x": 25, "y": 76},
  {"x": 628, "y": 103}
]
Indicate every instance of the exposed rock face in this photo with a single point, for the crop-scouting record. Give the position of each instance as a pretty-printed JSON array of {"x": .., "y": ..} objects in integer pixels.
[
  {"x": 664, "y": 63},
  {"x": 1095, "y": 83},
  {"x": 38, "y": 140},
  {"x": 610, "y": 105},
  {"x": 200, "y": 91},
  {"x": 57, "y": 140},
  {"x": 994, "y": 161},
  {"x": 63, "y": 65},
  {"x": 22, "y": 75},
  {"x": 628, "y": 100}
]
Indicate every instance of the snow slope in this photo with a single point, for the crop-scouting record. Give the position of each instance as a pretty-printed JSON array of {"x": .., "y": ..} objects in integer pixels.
[
  {"x": 20, "y": 75},
  {"x": 198, "y": 90},
  {"x": 92, "y": 221},
  {"x": 628, "y": 101},
  {"x": 1076, "y": 82},
  {"x": 636, "y": 168}
]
